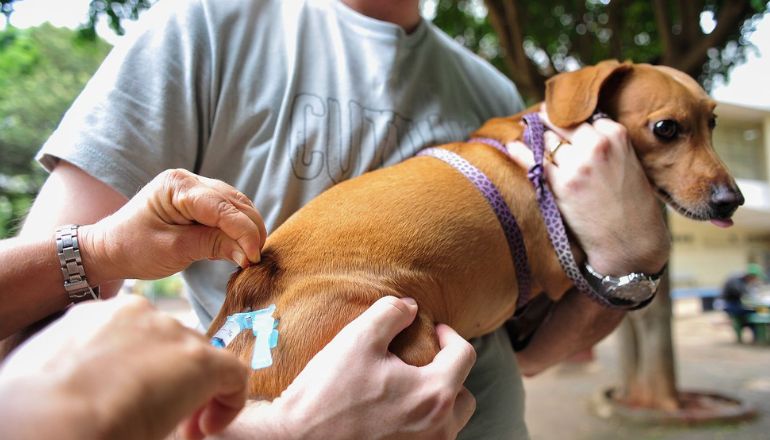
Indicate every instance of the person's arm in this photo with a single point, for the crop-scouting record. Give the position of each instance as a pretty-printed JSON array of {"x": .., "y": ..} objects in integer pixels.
[
  {"x": 575, "y": 323},
  {"x": 176, "y": 219},
  {"x": 356, "y": 388},
  {"x": 32, "y": 281},
  {"x": 608, "y": 203},
  {"x": 118, "y": 369}
]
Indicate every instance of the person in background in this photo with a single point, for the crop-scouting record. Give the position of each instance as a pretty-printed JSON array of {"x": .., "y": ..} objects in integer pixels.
[{"x": 735, "y": 291}]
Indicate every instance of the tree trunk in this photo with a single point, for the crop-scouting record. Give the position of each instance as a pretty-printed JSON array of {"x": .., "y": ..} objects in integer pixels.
[
  {"x": 506, "y": 18},
  {"x": 647, "y": 355}
]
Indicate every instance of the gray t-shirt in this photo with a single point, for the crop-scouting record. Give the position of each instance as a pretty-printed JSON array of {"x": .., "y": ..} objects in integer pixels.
[{"x": 281, "y": 99}]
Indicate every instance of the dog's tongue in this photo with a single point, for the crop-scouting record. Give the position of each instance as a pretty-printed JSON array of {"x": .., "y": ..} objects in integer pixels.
[{"x": 722, "y": 223}]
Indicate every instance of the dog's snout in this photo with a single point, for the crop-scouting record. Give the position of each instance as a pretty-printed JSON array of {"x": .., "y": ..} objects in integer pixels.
[{"x": 725, "y": 199}]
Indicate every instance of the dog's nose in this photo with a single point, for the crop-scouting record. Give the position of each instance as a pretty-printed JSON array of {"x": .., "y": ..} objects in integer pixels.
[{"x": 725, "y": 199}]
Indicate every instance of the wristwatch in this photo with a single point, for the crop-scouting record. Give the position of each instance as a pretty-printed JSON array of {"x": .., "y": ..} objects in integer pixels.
[
  {"x": 632, "y": 291},
  {"x": 68, "y": 250}
]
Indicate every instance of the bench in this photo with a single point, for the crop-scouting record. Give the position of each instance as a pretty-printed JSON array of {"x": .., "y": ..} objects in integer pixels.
[
  {"x": 707, "y": 295},
  {"x": 760, "y": 321}
]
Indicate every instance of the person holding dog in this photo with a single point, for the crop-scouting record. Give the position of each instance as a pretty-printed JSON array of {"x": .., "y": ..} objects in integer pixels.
[{"x": 284, "y": 99}]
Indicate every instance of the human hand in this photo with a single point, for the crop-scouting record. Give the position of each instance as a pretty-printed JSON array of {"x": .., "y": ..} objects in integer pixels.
[
  {"x": 356, "y": 388},
  {"x": 176, "y": 219},
  {"x": 119, "y": 369},
  {"x": 604, "y": 196}
]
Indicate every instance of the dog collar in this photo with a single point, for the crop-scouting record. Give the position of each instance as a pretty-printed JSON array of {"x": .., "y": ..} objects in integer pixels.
[
  {"x": 508, "y": 222},
  {"x": 533, "y": 138},
  {"x": 263, "y": 326}
]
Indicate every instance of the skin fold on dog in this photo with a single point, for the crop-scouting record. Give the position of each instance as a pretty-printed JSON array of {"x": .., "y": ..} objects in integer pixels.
[{"x": 421, "y": 229}]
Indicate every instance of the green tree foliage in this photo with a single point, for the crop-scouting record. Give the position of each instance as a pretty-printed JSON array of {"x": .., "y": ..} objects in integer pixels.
[
  {"x": 531, "y": 41},
  {"x": 42, "y": 70},
  {"x": 115, "y": 11}
]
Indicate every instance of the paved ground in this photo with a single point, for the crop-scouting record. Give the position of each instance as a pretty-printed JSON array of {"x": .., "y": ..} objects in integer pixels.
[{"x": 707, "y": 359}]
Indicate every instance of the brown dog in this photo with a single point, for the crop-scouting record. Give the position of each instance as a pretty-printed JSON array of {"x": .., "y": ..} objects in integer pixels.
[{"x": 421, "y": 229}]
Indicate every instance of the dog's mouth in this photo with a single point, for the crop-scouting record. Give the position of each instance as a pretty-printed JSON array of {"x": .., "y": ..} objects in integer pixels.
[{"x": 700, "y": 215}]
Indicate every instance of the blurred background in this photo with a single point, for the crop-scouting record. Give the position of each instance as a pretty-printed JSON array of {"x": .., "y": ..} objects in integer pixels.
[{"x": 684, "y": 367}]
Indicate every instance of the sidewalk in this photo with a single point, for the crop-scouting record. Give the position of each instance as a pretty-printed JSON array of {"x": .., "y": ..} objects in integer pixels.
[{"x": 708, "y": 359}]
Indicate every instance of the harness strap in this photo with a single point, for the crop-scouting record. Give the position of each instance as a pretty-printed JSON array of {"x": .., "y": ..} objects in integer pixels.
[
  {"x": 511, "y": 229},
  {"x": 534, "y": 138}
]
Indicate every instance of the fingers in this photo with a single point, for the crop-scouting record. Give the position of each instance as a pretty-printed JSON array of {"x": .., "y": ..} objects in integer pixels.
[
  {"x": 616, "y": 133},
  {"x": 564, "y": 133},
  {"x": 589, "y": 145},
  {"x": 598, "y": 138},
  {"x": 456, "y": 357},
  {"x": 217, "y": 245},
  {"x": 189, "y": 428},
  {"x": 521, "y": 154},
  {"x": 465, "y": 406},
  {"x": 218, "y": 205},
  {"x": 219, "y": 413},
  {"x": 228, "y": 379},
  {"x": 595, "y": 133},
  {"x": 242, "y": 202},
  {"x": 212, "y": 209},
  {"x": 231, "y": 397},
  {"x": 381, "y": 322}
]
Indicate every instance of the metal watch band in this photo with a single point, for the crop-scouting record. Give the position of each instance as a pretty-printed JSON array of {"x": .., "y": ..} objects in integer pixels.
[
  {"x": 631, "y": 292},
  {"x": 68, "y": 250}
]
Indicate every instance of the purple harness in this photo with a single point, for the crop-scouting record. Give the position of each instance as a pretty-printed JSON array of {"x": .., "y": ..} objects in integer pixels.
[
  {"x": 503, "y": 213},
  {"x": 533, "y": 137}
]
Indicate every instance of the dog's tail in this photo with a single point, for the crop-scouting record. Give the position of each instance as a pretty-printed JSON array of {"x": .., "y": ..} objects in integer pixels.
[{"x": 252, "y": 288}]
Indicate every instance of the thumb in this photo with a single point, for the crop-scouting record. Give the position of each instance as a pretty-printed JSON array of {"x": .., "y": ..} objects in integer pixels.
[
  {"x": 520, "y": 154},
  {"x": 381, "y": 322}
]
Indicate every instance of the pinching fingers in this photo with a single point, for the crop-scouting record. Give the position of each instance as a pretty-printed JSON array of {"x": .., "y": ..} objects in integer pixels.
[
  {"x": 240, "y": 201},
  {"x": 210, "y": 208},
  {"x": 217, "y": 205},
  {"x": 456, "y": 357}
]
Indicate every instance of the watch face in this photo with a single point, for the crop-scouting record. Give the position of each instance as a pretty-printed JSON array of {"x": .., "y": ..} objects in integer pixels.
[
  {"x": 637, "y": 289},
  {"x": 628, "y": 292}
]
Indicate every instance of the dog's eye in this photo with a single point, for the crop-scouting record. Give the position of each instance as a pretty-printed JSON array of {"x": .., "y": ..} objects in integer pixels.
[
  {"x": 666, "y": 129},
  {"x": 712, "y": 122}
]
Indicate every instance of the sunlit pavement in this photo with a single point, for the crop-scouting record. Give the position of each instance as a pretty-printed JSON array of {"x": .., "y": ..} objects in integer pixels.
[{"x": 707, "y": 359}]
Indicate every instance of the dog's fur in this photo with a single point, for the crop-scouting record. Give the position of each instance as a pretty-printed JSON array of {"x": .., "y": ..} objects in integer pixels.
[{"x": 420, "y": 229}]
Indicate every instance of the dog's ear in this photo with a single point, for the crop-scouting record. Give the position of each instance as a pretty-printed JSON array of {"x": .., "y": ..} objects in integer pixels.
[{"x": 571, "y": 97}]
